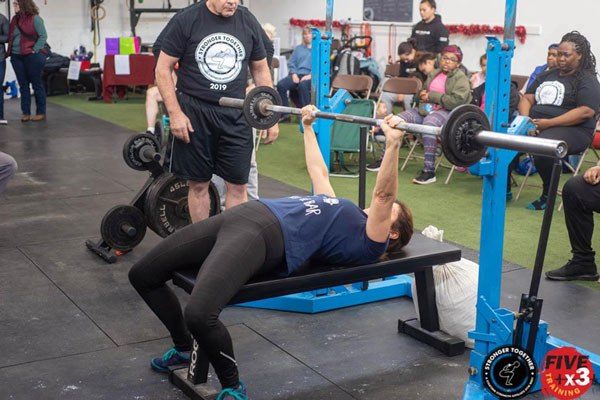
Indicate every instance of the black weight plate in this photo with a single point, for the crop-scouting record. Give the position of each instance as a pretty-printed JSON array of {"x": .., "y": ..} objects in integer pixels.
[
  {"x": 132, "y": 147},
  {"x": 166, "y": 205},
  {"x": 116, "y": 225},
  {"x": 458, "y": 134},
  {"x": 255, "y": 117}
]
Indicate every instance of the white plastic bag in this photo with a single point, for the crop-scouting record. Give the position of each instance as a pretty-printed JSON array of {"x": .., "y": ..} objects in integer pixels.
[{"x": 455, "y": 293}]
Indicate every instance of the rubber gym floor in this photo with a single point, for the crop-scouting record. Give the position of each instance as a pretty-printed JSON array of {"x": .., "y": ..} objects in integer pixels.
[{"x": 71, "y": 326}]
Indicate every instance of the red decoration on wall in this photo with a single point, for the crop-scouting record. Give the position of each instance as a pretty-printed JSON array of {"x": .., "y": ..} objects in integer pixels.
[
  {"x": 318, "y": 23},
  {"x": 467, "y": 30},
  {"x": 476, "y": 30}
]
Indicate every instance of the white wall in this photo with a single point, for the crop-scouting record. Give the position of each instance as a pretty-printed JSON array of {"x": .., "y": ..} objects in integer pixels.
[
  {"x": 68, "y": 23},
  {"x": 552, "y": 20}
]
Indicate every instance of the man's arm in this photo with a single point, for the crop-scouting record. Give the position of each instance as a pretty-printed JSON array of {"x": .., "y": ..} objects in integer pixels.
[
  {"x": 179, "y": 122},
  {"x": 261, "y": 73},
  {"x": 315, "y": 165},
  {"x": 269, "y": 48},
  {"x": 386, "y": 185}
]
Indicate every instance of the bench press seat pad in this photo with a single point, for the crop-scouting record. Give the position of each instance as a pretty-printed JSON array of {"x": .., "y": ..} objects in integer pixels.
[{"x": 419, "y": 254}]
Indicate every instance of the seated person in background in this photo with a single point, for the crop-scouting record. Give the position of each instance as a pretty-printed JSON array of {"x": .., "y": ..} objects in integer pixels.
[
  {"x": 426, "y": 63},
  {"x": 550, "y": 64},
  {"x": 478, "y": 94},
  {"x": 581, "y": 198},
  {"x": 275, "y": 236},
  {"x": 478, "y": 78},
  {"x": 445, "y": 89},
  {"x": 407, "y": 56},
  {"x": 299, "y": 65},
  {"x": 563, "y": 103},
  {"x": 8, "y": 167}
]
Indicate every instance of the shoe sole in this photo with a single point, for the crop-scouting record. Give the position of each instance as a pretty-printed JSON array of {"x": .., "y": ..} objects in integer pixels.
[
  {"x": 427, "y": 182},
  {"x": 573, "y": 278},
  {"x": 162, "y": 370}
]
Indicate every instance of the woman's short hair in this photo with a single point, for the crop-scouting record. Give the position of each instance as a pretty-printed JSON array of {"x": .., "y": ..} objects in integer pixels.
[{"x": 407, "y": 47}]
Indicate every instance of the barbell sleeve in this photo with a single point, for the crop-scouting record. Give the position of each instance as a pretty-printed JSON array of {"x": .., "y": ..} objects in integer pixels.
[
  {"x": 525, "y": 144},
  {"x": 148, "y": 154},
  {"x": 230, "y": 102}
]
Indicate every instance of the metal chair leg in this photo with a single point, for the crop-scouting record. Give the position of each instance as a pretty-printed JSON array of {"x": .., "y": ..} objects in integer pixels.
[{"x": 409, "y": 156}]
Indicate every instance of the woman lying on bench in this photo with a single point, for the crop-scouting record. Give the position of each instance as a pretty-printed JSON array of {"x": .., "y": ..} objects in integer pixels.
[{"x": 267, "y": 236}]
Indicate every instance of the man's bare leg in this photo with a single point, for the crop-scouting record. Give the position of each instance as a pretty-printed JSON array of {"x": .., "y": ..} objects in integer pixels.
[
  {"x": 198, "y": 200},
  {"x": 236, "y": 194}
]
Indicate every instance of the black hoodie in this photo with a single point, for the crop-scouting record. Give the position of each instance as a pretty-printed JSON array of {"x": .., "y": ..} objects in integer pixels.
[{"x": 431, "y": 36}]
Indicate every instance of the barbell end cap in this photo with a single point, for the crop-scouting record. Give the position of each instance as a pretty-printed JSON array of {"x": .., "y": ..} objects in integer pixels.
[{"x": 562, "y": 149}]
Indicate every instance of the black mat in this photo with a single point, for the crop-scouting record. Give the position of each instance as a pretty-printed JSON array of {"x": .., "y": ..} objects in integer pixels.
[{"x": 71, "y": 327}]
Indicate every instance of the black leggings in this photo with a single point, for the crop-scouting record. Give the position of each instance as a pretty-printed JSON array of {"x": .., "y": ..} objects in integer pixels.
[
  {"x": 577, "y": 139},
  {"x": 581, "y": 201},
  {"x": 229, "y": 249}
]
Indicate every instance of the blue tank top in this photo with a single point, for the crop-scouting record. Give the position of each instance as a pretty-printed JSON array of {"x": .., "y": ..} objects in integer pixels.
[{"x": 322, "y": 229}]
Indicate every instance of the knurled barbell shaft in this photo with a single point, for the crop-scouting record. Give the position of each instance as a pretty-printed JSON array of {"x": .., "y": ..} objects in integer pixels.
[{"x": 526, "y": 144}]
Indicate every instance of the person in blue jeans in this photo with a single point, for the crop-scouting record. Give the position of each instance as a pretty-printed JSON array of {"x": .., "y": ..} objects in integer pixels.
[
  {"x": 300, "y": 66},
  {"x": 3, "y": 39},
  {"x": 27, "y": 49}
]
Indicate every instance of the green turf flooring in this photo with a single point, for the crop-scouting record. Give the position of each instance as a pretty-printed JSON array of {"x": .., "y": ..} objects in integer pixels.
[{"x": 455, "y": 208}]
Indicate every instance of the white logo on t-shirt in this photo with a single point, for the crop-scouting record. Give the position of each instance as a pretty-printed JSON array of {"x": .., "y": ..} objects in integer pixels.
[
  {"x": 550, "y": 93},
  {"x": 219, "y": 57},
  {"x": 331, "y": 201}
]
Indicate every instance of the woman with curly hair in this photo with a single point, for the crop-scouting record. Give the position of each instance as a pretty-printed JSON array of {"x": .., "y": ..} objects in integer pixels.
[
  {"x": 28, "y": 51},
  {"x": 563, "y": 103}
]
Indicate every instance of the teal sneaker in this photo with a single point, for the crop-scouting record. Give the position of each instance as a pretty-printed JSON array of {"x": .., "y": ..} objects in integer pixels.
[
  {"x": 538, "y": 205},
  {"x": 238, "y": 393},
  {"x": 170, "y": 359}
]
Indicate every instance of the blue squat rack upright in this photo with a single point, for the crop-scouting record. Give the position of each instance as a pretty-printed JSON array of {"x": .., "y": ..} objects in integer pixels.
[
  {"x": 359, "y": 293},
  {"x": 495, "y": 326}
]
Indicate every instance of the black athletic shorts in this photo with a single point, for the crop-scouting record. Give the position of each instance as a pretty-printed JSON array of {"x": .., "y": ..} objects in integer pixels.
[{"x": 221, "y": 143}]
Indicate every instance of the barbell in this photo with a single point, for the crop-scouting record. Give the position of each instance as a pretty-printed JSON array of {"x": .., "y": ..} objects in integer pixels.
[{"x": 464, "y": 137}]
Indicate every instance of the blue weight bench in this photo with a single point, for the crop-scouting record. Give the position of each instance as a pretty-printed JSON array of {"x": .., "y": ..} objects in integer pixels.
[{"x": 417, "y": 257}]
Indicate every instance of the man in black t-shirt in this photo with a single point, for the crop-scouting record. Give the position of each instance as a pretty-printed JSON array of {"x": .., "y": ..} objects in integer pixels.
[{"x": 216, "y": 43}]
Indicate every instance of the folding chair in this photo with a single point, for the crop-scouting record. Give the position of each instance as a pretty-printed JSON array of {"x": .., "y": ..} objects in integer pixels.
[
  {"x": 396, "y": 85},
  {"x": 359, "y": 86},
  {"x": 521, "y": 81},
  {"x": 345, "y": 136}
]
